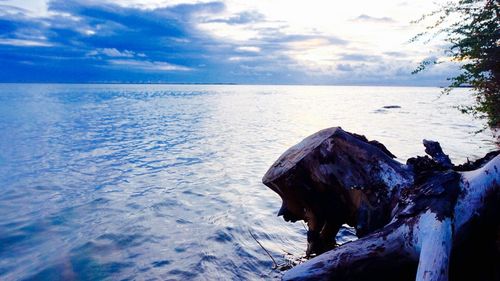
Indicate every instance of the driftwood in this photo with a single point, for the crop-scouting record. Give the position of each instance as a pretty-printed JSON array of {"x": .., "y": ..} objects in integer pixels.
[
  {"x": 334, "y": 177},
  {"x": 411, "y": 218}
]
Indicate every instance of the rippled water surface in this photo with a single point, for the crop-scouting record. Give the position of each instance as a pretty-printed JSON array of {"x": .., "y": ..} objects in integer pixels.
[{"x": 155, "y": 182}]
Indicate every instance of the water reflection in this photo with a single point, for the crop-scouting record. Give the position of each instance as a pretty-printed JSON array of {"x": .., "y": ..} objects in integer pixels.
[{"x": 163, "y": 182}]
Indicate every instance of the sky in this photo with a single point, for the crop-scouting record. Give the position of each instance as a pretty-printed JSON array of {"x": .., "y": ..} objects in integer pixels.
[{"x": 362, "y": 42}]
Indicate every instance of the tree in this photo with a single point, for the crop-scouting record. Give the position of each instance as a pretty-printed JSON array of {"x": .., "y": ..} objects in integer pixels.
[{"x": 472, "y": 29}]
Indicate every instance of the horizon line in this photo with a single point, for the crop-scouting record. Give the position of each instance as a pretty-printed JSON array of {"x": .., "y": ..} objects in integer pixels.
[{"x": 233, "y": 84}]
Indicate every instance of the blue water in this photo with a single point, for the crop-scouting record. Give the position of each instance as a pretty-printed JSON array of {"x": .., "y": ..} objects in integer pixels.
[{"x": 162, "y": 182}]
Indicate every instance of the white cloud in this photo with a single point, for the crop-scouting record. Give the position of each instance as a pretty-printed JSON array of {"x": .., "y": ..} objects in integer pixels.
[
  {"x": 325, "y": 19},
  {"x": 368, "y": 18},
  {"x": 115, "y": 53},
  {"x": 249, "y": 49},
  {"x": 371, "y": 28},
  {"x": 154, "y": 4},
  {"x": 89, "y": 32},
  {"x": 240, "y": 59},
  {"x": 35, "y": 8},
  {"x": 24, "y": 43},
  {"x": 149, "y": 65}
]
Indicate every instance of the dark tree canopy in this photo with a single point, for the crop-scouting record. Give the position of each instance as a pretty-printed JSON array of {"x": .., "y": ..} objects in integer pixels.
[{"x": 472, "y": 29}]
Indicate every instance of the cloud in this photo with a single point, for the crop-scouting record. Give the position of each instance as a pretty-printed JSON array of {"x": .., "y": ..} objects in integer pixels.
[
  {"x": 248, "y": 49},
  {"x": 345, "y": 67},
  {"x": 113, "y": 52},
  {"x": 99, "y": 35},
  {"x": 9, "y": 9},
  {"x": 175, "y": 41},
  {"x": 276, "y": 35},
  {"x": 123, "y": 39},
  {"x": 245, "y": 17},
  {"x": 395, "y": 54},
  {"x": 367, "y": 18},
  {"x": 359, "y": 57},
  {"x": 24, "y": 43},
  {"x": 149, "y": 65},
  {"x": 240, "y": 59}
]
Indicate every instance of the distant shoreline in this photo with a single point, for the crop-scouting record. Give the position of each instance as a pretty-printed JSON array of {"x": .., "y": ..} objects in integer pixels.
[{"x": 223, "y": 84}]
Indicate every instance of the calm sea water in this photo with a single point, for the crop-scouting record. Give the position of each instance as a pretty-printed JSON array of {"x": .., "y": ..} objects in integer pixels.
[{"x": 158, "y": 182}]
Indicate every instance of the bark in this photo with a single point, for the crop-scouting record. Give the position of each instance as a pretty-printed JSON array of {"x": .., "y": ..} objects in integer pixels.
[{"x": 433, "y": 148}]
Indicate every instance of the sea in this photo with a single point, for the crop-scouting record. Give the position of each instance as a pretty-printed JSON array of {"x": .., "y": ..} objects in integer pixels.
[{"x": 163, "y": 182}]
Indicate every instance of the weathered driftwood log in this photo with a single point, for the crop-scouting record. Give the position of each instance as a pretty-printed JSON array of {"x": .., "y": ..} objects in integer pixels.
[
  {"x": 416, "y": 215},
  {"x": 335, "y": 177},
  {"x": 432, "y": 219}
]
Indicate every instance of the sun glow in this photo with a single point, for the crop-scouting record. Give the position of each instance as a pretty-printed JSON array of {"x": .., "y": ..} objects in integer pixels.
[{"x": 369, "y": 27}]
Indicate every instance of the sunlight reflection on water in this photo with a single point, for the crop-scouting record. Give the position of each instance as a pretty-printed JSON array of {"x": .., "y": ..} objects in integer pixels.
[{"x": 163, "y": 181}]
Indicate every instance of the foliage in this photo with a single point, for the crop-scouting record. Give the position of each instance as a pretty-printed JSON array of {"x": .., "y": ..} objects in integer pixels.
[{"x": 472, "y": 29}]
